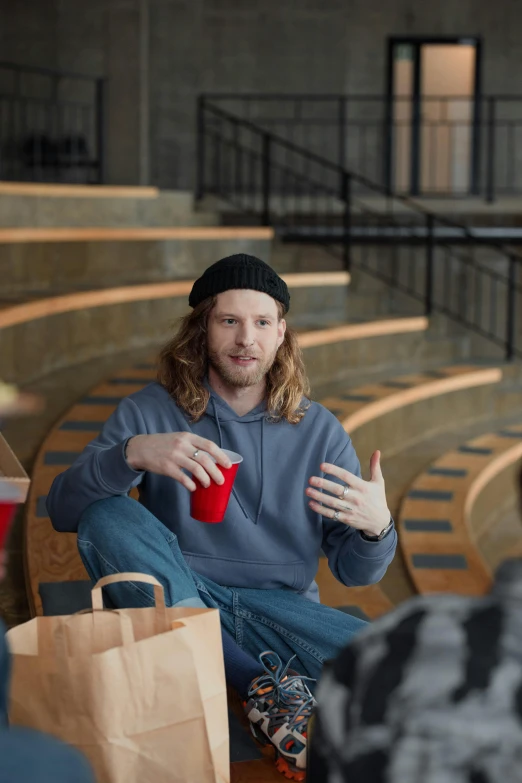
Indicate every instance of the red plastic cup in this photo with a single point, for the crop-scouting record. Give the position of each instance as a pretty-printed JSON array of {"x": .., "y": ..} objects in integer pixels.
[
  {"x": 208, "y": 504},
  {"x": 9, "y": 499}
]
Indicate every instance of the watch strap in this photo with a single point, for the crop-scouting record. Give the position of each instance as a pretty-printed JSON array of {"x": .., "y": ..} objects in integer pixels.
[{"x": 381, "y": 535}]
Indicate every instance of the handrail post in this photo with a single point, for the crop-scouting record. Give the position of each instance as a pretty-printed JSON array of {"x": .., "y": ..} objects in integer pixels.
[
  {"x": 490, "y": 181},
  {"x": 266, "y": 163},
  {"x": 430, "y": 246},
  {"x": 100, "y": 129},
  {"x": 511, "y": 305},
  {"x": 200, "y": 141},
  {"x": 346, "y": 197},
  {"x": 341, "y": 141}
]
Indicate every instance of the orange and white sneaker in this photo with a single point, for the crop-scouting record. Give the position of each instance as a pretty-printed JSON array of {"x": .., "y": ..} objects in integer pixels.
[{"x": 279, "y": 707}]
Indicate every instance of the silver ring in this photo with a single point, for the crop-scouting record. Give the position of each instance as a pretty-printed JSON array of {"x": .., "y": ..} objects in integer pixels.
[
  {"x": 345, "y": 491},
  {"x": 195, "y": 454},
  {"x": 336, "y": 515}
]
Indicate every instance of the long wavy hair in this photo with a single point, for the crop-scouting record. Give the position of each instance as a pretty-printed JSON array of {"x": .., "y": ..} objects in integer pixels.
[{"x": 183, "y": 364}]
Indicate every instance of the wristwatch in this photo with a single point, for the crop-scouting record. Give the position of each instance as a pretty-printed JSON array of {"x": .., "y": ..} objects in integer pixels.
[{"x": 381, "y": 535}]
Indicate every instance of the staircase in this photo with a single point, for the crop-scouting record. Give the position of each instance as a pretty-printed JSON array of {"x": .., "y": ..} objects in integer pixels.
[{"x": 422, "y": 262}]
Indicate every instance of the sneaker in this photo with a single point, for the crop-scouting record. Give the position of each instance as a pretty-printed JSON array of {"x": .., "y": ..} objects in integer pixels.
[{"x": 279, "y": 706}]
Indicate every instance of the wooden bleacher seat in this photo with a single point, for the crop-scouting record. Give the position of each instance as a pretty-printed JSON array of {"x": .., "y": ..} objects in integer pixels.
[{"x": 435, "y": 530}]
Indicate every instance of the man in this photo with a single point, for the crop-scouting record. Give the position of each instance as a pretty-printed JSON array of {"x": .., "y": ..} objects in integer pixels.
[
  {"x": 27, "y": 755},
  {"x": 431, "y": 692},
  {"x": 234, "y": 375}
]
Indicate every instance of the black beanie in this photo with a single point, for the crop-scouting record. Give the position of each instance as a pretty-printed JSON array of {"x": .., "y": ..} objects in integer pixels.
[{"x": 239, "y": 271}]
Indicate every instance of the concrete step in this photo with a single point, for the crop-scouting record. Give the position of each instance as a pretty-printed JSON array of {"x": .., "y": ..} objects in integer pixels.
[
  {"x": 370, "y": 361},
  {"x": 69, "y": 206},
  {"x": 40, "y": 259}
]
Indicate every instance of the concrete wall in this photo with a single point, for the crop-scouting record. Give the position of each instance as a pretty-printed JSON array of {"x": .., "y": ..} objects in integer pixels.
[{"x": 159, "y": 54}]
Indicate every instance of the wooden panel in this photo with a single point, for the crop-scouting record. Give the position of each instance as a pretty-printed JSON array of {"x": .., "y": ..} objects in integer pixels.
[
  {"x": 144, "y": 234},
  {"x": 76, "y": 191},
  {"x": 316, "y": 279},
  {"x": 362, "y": 331}
]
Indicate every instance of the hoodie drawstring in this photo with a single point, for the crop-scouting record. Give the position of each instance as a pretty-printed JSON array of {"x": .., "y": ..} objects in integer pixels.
[
  {"x": 260, "y": 504},
  {"x": 221, "y": 446}
]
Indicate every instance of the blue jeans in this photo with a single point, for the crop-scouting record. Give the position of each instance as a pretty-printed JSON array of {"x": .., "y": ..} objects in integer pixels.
[
  {"x": 118, "y": 534},
  {"x": 28, "y": 756}
]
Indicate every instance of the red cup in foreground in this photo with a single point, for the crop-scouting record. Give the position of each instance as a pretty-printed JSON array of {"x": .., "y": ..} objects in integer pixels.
[
  {"x": 9, "y": 499},
  {"x": 208, "y": 504}
]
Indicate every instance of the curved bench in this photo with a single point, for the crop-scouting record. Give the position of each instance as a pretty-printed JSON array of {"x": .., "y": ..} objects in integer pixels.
[
  {"x": 52, "y": 556},
  {"x": 391, "y": 414},
  {"x": 36, "y": 259},
  {"x": 435, "y": 521},
  {"x": 83, "y": 300},
  {"x": 46, "y": 334}
]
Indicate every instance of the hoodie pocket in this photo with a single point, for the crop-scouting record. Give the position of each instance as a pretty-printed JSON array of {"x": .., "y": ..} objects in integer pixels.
[{"x": 259, "y": 574}]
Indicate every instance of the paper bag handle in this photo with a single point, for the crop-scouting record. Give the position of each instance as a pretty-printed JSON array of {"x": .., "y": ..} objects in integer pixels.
[
  {"x": 131, "y": 576},
  {"x": 126, "y": 627},
  {"x": 53, "y": 642}
]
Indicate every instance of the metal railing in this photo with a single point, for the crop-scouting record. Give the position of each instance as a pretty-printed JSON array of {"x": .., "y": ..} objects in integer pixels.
[
  {"x": 51, "y": 125},
  {"x": 442, "y": 266},
  {"x": 436, "y": 146}
]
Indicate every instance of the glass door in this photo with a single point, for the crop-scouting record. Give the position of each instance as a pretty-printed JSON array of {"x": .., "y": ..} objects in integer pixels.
[{"x": 433, "y": 103}]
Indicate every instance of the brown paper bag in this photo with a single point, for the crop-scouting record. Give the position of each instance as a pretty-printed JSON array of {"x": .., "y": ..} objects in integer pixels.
[{"x": 140, "y": 691}]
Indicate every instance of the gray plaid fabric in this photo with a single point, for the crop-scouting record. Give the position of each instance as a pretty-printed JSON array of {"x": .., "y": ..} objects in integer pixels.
[{"x": 431, "y": 693}]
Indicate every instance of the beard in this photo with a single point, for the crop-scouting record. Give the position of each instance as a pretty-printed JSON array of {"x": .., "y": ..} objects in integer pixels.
[{"x": 240, "y": 377}]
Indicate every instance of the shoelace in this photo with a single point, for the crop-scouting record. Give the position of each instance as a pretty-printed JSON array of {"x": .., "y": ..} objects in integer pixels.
[{"x": 293, "y": 692}]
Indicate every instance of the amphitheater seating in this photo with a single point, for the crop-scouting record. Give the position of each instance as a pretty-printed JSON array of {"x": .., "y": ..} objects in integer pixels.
[
  {"x": 435, "y": 523},
  {"x": 44, "y": 234},
  {"x": 52, "y": 557}
]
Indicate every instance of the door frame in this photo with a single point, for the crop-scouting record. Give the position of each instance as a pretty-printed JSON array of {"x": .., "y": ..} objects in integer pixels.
[{"x": 416, "y": 41}]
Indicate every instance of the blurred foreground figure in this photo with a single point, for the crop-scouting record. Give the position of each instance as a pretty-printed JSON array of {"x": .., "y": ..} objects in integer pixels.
[
  {"x": 27, "y": 756},
  {"x": 431, "y": 693}
]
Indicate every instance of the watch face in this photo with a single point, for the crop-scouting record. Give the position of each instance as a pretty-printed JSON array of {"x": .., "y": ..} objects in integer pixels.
[{"x": 386, "y": 530}]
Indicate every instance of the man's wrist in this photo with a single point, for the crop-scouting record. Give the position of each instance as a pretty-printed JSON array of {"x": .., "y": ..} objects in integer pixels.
[
  {"x": 129, "y": 453},
  {"x": 372, "y": 536}
]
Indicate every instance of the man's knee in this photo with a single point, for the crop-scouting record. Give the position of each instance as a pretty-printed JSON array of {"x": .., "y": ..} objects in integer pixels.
[{"x": 108, "y": 518}]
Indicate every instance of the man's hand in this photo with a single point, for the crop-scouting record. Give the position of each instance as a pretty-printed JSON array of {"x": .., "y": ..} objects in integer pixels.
[
  {"x": 362, "y": 506},
  {"x": 167, "y": 453}
]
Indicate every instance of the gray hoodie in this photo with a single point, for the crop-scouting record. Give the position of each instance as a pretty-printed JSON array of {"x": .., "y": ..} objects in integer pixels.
[{"x": 270, "y": 537}]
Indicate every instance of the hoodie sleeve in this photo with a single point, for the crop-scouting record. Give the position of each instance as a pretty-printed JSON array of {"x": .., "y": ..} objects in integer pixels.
[
  {"x": 100, "y": 471},
  {"x": 353, "y": 560}
]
